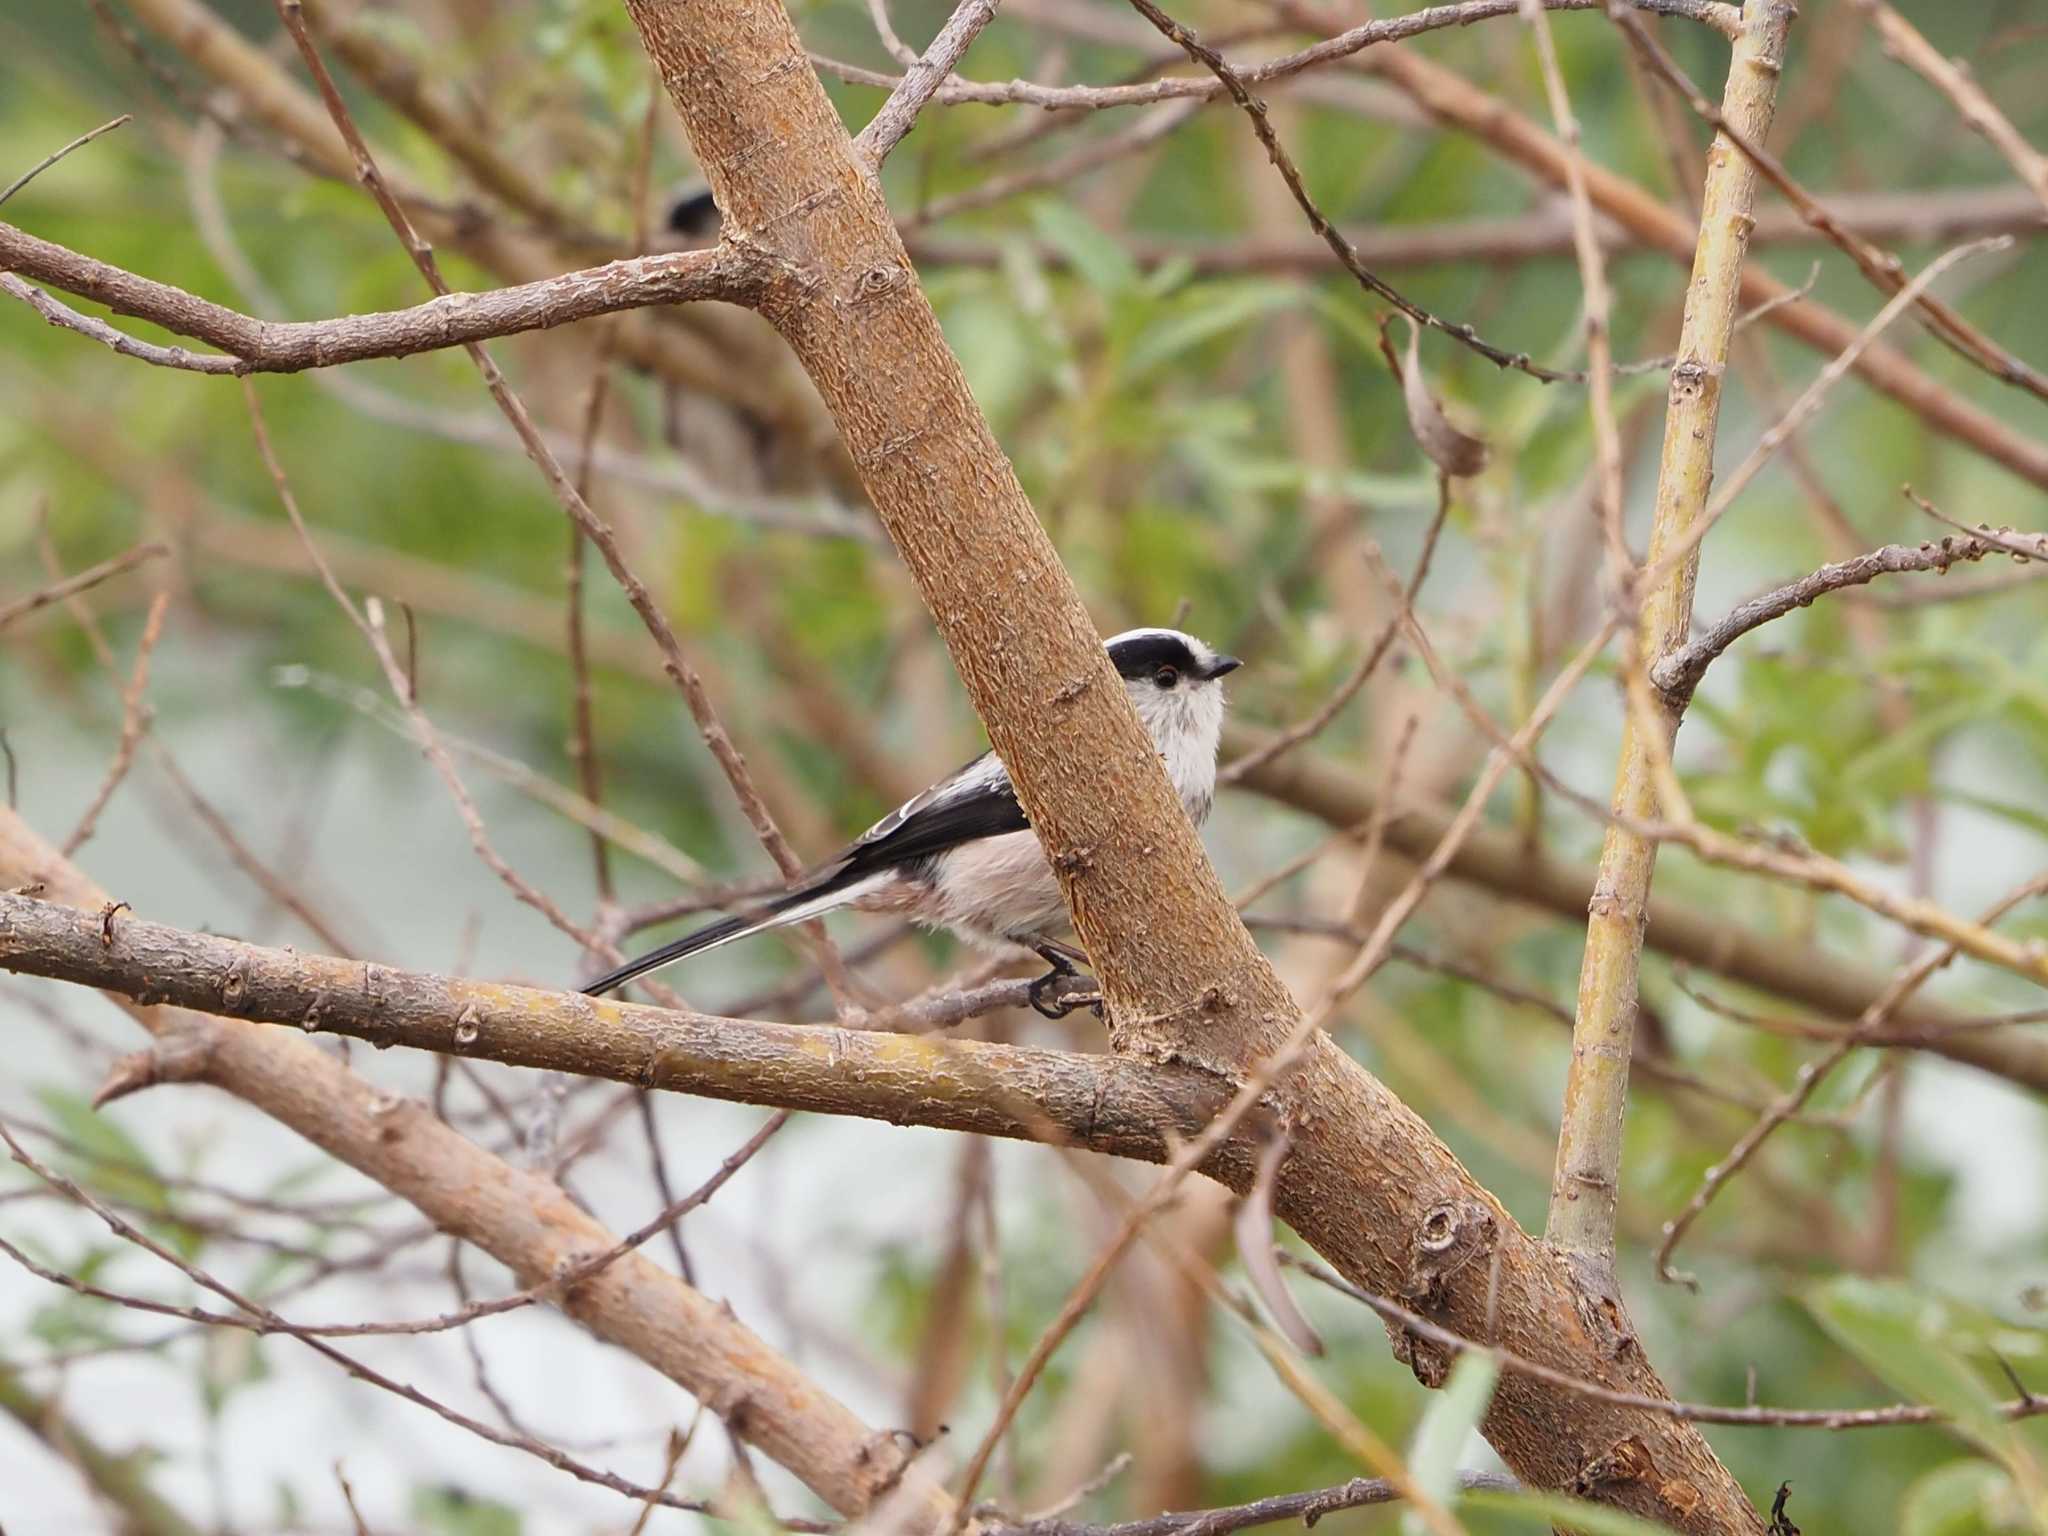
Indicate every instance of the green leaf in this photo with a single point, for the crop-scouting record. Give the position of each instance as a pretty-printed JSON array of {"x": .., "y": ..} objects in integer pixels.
[
  {"x": 1447, "y": 1428},
  {"x": 451, "y": 1511},
  {"x": 1963, "y": 1498},
  {"x": 1545, "y": 1511},
  {"x": 1216, "y": 309},
  {"x": 2005, "y": 810},
  {"x": 1908, "y": 1338},
  {"x": 103, "y": 1155},
  {"x": 1101, "y": 262},
  {"x": 106, "y": 1159}
]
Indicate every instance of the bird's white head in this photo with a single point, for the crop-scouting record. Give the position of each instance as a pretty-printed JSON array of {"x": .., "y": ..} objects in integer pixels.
[{"x": 1176, "y": 682}]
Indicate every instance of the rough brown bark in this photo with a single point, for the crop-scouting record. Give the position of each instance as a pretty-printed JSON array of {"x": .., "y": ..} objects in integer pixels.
[
  {"x": 1367, "y": 1183},
  {"x": 523, "y": 1220}
]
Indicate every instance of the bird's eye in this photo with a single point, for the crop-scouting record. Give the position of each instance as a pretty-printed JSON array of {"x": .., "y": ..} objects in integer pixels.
[{"x": 1166, "y": 677}]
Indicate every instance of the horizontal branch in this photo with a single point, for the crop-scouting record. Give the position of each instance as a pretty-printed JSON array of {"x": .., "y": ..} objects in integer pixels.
[
  {"x": 732, "y": 274},
  {"x": 1393, "y": 29},
  {"x": 1109, "y": 1104},
  {"x": 1105, "y": 1103},
  {"x": 1935, "y": 215},
  {"x": 1680, "y": 671},
  {"x": 1308, "y": 1508}
]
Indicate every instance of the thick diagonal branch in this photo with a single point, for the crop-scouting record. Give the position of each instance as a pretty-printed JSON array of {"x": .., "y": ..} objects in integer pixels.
[{"x": 1366, "y": 1182}]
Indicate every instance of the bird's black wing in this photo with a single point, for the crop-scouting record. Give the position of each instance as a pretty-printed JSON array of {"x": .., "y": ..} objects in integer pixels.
[{"x": 977, "y": 802}]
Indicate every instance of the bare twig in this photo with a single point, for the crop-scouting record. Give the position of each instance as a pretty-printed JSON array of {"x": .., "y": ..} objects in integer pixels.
[
  {"x": 134, "y": 721},
  {"x": 1453, "y": 100},
  {"x": 1928, "y": 215},
  {"x": 1890, "y": 1416},
  {"x": 1803, "y": 409},
  {"x": 582, "y": 714},
  {"x": 1679, "y": 672},
  {"x": 1345, "y": 252},
  {"x": 55, "y": 155},
  {"x": 369, "y": 622},
  {"x": 1875, "y": 1020},
  {"x": 1308, "y": 1508},
  {"x": 1394, "y": 29},
  {"x": 1597, "y": 302},
  {"x": 899, "y": 113},
  {"x": 1285, "y": 741},
  {"x": 1903, "y": 42},
  {"x": 86, "y": 579},
  {"x": 1880, "y": 267},
  {"x": 727, "y": 273}
]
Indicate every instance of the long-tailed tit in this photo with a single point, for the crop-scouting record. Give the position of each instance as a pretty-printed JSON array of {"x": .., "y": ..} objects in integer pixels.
[{"x": 962, "y": 855}]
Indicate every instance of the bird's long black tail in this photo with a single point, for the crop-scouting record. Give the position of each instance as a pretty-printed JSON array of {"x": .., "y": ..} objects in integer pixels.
[{"x": 791, "y": 907}]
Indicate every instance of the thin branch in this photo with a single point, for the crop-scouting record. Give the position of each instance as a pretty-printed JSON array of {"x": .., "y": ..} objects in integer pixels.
[
  {"x": 55, "y": 155},
  {"x": 1597, "y": 301},
  {"x": 1453, "y": 100},
  {"x": 1893, "y": 1415},
  {"x": 1807, "y": 405},
  {"x": 1876, "y": 1019},
  {"x": 1285, "y": 741},
  {"x": 1904, "y": 43},
  {"x": 368, "y": 621},
  {"x": 1309, "y": 1507},
  {"x": 1881, "y": 267},
  {"x": 86, "y": 579},
  {"x": 885, "y": 130},
  {"x": 1680, "y": 671},
  {"x": 695, "y": 348},
  {"x": 134, "y": 721},
  {"x": 1341, "y": 248},
  {"x": 731, "y": 274},
  {"x": 583, "y": 754},
  {"x": 1060, "y": 171},
  {"x": 1926, "y": 215},
  {"x": 260, "y": 1319},
  {"x": 1500, "y": 862},
  {"x": 1394, "y": 29}
]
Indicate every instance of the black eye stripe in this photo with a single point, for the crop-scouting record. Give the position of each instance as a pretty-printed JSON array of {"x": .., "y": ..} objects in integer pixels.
[{"x": 1143, "y": 655}]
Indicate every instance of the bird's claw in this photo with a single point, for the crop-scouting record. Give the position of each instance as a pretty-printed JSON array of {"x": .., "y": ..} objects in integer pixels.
[{"x": 1044, "y": 1000}]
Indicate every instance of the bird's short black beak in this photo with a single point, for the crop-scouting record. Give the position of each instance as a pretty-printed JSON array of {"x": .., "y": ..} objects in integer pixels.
[{"x": 1222, "y": 666}]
